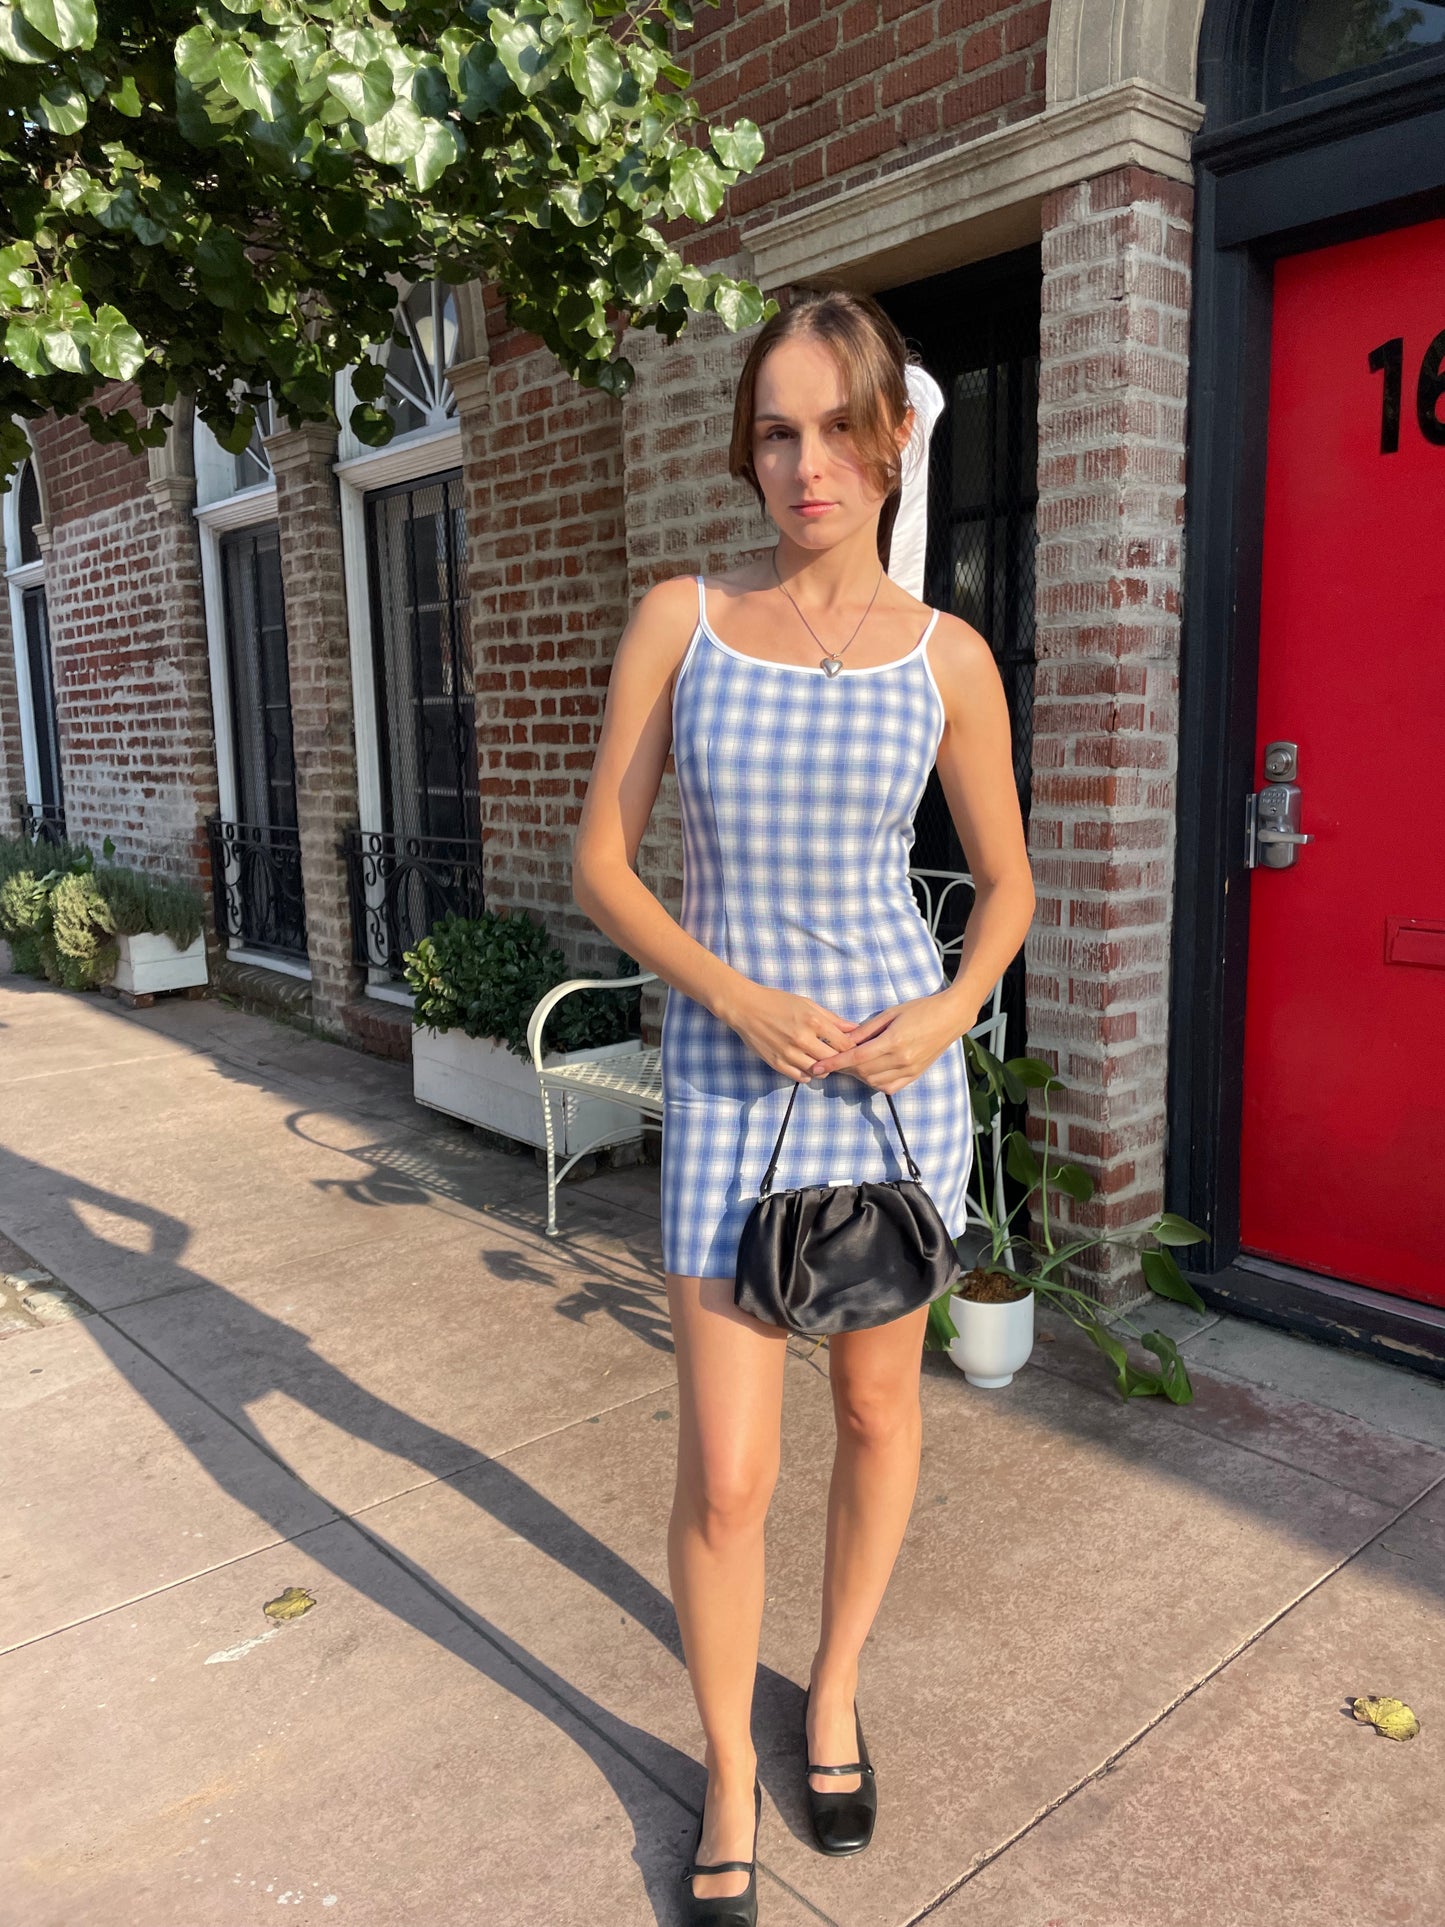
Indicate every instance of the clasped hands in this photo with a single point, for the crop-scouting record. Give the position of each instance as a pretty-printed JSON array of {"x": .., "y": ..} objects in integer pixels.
[{"x": 888, "y": 1050}]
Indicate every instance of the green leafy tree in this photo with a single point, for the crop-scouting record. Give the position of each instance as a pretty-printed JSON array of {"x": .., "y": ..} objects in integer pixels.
[{"x": 219, "y": 199}]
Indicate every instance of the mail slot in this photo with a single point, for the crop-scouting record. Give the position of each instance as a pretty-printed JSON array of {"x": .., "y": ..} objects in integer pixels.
[{"x": 1415, "y": 940}]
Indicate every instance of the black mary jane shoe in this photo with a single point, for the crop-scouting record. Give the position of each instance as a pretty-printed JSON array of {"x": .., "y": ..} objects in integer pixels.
[
  {"x": 725, "y": 1910},
  {"x": 843, "y": 1822}
]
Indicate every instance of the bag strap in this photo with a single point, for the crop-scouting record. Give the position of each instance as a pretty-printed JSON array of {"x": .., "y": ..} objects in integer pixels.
[{"x": 767, "y": 1184}]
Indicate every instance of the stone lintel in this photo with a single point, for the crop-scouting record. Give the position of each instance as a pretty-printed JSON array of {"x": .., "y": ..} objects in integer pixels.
[{"x": 976, "y": 199}]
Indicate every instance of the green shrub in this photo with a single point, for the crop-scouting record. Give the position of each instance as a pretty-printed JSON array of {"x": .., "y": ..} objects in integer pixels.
[
  {"x": 79, "y": 949},
  {"x": 60, "y": 912},
  {"x": 19, "y": 853},
  {"x": 485, "y": 976},
  {"x": 25, "y": 920},
  {"x": 138, "y": 903}
]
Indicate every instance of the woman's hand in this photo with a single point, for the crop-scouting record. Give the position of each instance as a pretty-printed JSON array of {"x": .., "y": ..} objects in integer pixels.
[
  {"x": 791, "y": 1033},
  {"x": 896, "y": 1045}
]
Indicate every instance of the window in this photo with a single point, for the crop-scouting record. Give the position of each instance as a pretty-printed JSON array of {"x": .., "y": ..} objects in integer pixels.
[
  {"x": 42, "y": 809},
  {"x": 255, "y": 841},
  {"x": 1313, "y": 44},
  {"x": 416, "y": 854}
]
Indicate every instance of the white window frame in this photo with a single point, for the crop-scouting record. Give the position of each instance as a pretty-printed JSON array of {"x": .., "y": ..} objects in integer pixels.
[
  {"x": 19, "y": 577},
  {"x": 406, "y": 458},
  {"x": 247, "y": 508}
]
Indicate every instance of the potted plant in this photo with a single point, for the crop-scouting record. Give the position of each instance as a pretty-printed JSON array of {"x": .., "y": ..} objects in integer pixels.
[
  {"x": 160, "y": 942},
  {"x": 476, "y": 982},
  {"x": 82, "y": 924},
  {"x": 986, "y": 1320}
]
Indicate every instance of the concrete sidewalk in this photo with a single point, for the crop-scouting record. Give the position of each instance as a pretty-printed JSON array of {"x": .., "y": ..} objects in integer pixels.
[{"x": 323, "y": 1344}]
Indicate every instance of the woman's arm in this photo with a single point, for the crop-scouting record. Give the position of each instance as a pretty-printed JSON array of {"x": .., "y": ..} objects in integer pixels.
[{"x": 632, "y": 753}]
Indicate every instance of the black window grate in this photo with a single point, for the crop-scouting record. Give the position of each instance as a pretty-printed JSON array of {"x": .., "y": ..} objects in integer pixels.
[{"x": 426, "y": 859}]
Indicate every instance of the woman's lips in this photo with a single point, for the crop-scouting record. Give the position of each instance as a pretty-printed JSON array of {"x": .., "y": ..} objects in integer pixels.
[{"x": 810, "y": 509}]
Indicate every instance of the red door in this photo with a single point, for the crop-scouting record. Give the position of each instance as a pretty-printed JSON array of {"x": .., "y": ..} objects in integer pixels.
[{"x": 1343, "y": 1164}]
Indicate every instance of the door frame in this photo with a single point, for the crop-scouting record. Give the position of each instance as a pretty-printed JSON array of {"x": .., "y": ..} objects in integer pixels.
[{"x": 1363, "y": 158}]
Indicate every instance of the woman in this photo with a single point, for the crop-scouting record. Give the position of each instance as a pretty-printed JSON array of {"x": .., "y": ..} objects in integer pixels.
[{"x": 804, "y": 697}]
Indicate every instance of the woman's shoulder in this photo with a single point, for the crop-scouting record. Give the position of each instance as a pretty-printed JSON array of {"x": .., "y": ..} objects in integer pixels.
[{"x": 963, "y": 664}]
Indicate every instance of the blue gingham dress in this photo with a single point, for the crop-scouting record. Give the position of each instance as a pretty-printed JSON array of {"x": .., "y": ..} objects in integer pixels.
[{"x": 798, "y": 793}]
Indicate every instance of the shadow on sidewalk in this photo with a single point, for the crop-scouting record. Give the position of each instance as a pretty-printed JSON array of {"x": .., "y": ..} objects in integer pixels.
[{"x": 267, "y": 1355}]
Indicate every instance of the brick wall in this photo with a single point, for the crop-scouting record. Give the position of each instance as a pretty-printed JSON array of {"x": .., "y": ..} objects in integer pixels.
[
  {"x": 548, "y": 581},
  {"x": 846, "y": 92},
  {"x": 1112, "y": 391},
  {"x": 322, "y": 717},
  {"x": 132, "y": 676},
  {"x": 82, "y": 477}
]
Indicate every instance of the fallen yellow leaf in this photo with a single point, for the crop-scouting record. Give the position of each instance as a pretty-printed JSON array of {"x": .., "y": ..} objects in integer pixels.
[
  {"x": 291, "y": 1604},
  {"x": 1393, "y": 1718}
]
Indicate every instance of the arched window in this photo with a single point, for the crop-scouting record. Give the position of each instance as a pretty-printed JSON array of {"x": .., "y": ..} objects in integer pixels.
[
  {"x": 219, "y": 474},
  {"x": 1314, "y": 44},
  {"x": 42, "y": 808}
]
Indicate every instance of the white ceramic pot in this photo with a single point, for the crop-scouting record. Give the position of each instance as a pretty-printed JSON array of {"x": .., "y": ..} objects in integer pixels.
[
  {"x": 993, "y": 1340},
  {"x": 151, "y": 962},
  {"x": 487, "y": 1084}
]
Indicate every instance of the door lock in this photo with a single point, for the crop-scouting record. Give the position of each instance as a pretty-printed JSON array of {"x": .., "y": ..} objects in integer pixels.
[{"x": 1272, "y": 815}]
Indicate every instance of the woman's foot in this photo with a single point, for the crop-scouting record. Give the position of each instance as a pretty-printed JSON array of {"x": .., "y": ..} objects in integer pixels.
[
  {"x": 729, "y": 1818},
  {"x": 832, "y": 1730}
]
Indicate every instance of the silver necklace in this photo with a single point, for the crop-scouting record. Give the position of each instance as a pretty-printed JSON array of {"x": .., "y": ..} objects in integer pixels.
[{"x": 832, "y": 659}]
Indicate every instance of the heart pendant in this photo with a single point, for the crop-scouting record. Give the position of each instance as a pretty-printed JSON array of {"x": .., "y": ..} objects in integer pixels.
[{"x": 830, "y": 665}]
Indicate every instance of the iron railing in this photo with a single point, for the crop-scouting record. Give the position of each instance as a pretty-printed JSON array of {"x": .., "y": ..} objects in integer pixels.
[
  {"x": 256, "y": 878},
  {"x": 401, "y": 885},
  {"x": 42, "y": 822}
]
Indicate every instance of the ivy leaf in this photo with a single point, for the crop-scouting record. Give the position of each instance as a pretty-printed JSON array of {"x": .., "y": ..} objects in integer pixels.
[
  {"x": 64, "y": 23},
  {"x": 738, "y": 307},
  {"x": 581, "y": 205},
  {"x": 63, "y": 350},
  {"x": 62, "y": 108},
  {"x": 125, "y": 98},
  {"x": 397, "y": 136},
  {"x": 365, "y": 92},
  {"x": 223, "y": 270},
  {"x": 22, "y": 346},
  {"x": 441, "y": 144},
  {"x": 115, "y": 347},
  {"x": 19, "y": 41},
  {"x": 596, "y": 69},
  {"x": 739, "y": 146},
  {"x": 696, "y": 185},
  {"x": 522, "y": 52}
]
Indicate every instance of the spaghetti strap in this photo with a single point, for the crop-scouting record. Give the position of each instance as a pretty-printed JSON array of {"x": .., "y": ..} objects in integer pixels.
[{"x": 701, "y": 603}]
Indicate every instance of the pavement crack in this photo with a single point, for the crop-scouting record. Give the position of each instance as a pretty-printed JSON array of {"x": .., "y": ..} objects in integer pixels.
[{"x": 1120, "y": 1752}]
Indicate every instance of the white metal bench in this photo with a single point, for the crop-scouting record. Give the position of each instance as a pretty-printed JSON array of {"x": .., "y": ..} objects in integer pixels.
[{"x": 634, "y": 1079}]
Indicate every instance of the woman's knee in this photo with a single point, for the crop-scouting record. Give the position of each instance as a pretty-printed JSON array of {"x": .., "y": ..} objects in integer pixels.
[
  {"x": 729, "y": 1496},
  {"x": 873, "y": 1416}
]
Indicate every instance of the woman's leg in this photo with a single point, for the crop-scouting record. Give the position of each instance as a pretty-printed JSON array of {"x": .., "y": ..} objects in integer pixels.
[
  {"x": 875, "y": 1377},
  {"x": 730, "y": 1387}
]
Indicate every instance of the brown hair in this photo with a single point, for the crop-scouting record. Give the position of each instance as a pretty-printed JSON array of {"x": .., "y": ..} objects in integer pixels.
[{"x": 872, "y": 355}]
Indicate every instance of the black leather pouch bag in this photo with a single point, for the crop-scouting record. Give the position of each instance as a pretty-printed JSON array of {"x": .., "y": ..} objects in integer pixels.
[{"x": 841, "y": 1257}]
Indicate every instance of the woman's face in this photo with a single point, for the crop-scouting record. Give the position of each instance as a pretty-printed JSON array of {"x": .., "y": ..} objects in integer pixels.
[{"x": 816, "y": 490}]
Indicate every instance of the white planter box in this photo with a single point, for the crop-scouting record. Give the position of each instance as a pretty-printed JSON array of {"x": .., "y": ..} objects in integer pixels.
[
  {"x": 151, "y": 962},
  {"x": 487, "y": 1084}
]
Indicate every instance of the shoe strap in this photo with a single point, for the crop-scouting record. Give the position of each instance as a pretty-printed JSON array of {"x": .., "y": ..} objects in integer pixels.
[
  {"x": 721, "y": 1866},
  {"x": 857, "y": 1766}
]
